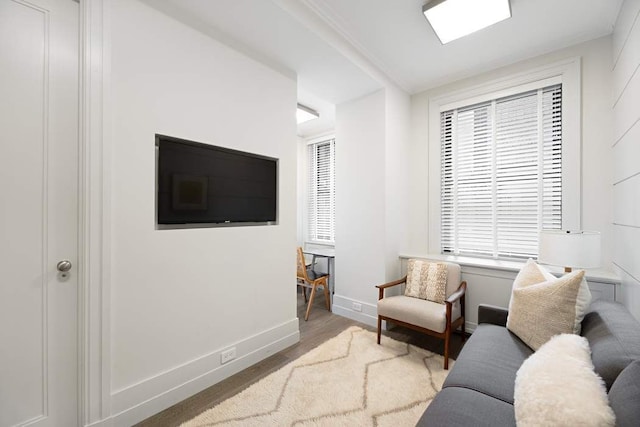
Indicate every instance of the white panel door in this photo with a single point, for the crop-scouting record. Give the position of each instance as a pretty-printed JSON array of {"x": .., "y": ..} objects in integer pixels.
[{"x": 38, "y": 212}]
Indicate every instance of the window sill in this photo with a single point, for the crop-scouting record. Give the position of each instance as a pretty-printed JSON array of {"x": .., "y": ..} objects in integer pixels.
[
  {"x": 595, "y": 275},
  {"x": 309, "y": 243}
]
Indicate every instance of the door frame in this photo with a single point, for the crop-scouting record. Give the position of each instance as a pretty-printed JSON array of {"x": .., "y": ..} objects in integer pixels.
[{"x": 94, "y": 229}]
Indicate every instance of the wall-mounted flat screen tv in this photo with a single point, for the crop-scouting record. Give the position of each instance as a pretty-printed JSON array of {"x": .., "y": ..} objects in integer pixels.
[{"x": 203, "y": 184}]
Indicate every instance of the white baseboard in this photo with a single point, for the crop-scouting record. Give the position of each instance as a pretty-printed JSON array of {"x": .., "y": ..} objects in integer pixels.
[
  {"x": 146, "y": 398},
  {"x": 343, "y": 306},
  {"x": 469, "y": 327},
  {"x": 107, "y": 422}
]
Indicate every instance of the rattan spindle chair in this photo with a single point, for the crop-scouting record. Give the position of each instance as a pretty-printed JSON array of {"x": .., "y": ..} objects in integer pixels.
[{"x": 308, "y": 278}]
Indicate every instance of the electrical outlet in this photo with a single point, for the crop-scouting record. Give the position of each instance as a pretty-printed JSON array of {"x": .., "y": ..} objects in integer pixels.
[
  {"x": 356, "y": 306},
  {"x": 227, "y": 355}
]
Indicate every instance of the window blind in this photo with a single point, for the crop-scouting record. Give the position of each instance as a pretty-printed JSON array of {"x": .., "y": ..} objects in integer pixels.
[
  {"x": 501, "y": 174},
  {"x": 321, "y": 192}
]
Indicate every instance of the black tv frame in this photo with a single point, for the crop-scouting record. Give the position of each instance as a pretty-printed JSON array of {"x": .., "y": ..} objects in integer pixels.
[{"x": 168, "y": 226}]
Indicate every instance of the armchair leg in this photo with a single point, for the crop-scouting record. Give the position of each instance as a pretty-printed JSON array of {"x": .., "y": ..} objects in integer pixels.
[
  {"x": 446, "y": 348},
  {"x": 379, "y": 328},
  {"x": 464, "y": 334}
]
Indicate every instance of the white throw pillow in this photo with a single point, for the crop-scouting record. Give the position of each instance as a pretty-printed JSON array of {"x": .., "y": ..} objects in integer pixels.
[
  {"x": 532, "y": 273},
  {"x": 557, "y": 386}
]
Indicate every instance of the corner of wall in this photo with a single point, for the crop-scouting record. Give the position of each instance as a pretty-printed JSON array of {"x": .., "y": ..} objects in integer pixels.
[{"x": 625, "y": 147}]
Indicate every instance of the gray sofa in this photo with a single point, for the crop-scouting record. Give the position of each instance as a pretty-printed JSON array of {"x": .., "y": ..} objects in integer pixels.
[{"x": 479, "y": 389}]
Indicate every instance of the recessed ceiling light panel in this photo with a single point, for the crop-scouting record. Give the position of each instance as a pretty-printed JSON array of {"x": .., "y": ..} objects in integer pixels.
[
  {"x": 304, "y": 114},
  {"x": 452, "y": 19}
]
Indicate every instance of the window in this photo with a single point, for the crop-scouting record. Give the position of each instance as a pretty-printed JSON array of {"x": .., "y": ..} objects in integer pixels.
[
  {"x": 321, "y": 191},
  {"x": 501, "y": 174}
]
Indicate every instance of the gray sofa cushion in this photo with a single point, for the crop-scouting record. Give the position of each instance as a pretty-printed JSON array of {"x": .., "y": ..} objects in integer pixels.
[
  {"x": 489, "y": 361},
  {"x": 624, "y": 396},
  {"x": 455, "y": 406},
  {"x": 614, "y": 338}
]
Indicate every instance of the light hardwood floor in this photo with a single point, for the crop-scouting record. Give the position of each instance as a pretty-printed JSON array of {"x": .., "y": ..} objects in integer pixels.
[{"x": 321, "y": 326}]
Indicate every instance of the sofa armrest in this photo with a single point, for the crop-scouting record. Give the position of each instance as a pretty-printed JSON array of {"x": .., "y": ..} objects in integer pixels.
[{"x": 492, "y": 314}]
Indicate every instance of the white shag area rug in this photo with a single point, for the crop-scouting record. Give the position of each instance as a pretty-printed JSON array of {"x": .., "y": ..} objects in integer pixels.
[{"x": 349, "y": 380}]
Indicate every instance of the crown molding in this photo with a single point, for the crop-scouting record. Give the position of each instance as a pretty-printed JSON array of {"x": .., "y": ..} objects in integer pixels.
[{"x": 326, "y": 26}]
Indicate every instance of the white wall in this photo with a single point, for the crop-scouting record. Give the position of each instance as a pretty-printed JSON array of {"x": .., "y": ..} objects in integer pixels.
[
  {"x": 301, "y": 155},
  {"x": 179, "y": 297},
  {"x": 360, "y": 202},
  {"x": 371, "y": 173},
  {"x": 489, "y": 284},
  {"x": 398, "y": 122},
  {"x": 626, "y": 153}
]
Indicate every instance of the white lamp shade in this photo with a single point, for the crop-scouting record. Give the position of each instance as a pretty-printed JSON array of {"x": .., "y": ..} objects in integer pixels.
[{"x": 574, "y": 249}]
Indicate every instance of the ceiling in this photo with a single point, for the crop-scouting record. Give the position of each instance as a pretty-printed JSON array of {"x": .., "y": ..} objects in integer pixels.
[
  {"x": 343, "y": 49},
  {"x": 398, "y": 39}
]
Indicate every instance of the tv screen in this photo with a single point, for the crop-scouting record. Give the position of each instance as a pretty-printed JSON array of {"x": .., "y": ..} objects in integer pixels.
[{"x": 204, "y": 184}]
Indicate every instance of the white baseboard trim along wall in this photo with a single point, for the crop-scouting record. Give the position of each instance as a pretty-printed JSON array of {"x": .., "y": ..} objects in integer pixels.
[
  {"x": 146, "y": 398},
  {"x": 356, "y": 310}
]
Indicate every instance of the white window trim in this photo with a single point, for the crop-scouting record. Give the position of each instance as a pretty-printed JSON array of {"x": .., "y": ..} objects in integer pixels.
[
  {"x": 569, "y": 74},
  {"x": 305, "y": 189}
]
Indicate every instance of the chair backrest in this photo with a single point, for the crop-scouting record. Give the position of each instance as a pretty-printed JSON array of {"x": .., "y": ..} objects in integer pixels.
[
  {"x": 454, "y": 277},
  {"x": 302, "y": 266}
]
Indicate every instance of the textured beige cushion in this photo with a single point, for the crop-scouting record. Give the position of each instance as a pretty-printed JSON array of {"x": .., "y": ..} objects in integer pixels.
[
  {"x": 543, "y": 310},
  {"x": 428, "y": 314},
  {"x": 557, "y": 386},
  {"x": 426, "y": 280},
  {"x": 532, "y": 273},
  {"x": 582, "y": 304},
  {"x": 454, "y": 277}
]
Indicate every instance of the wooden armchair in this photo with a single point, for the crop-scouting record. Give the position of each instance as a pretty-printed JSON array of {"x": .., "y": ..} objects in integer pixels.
[{"x": 438, "y": 320}]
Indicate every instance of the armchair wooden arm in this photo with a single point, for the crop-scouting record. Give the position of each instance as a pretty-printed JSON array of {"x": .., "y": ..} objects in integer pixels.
[
  {"x": 459, "y": 293},
  {"x": 381, "y": 288}
]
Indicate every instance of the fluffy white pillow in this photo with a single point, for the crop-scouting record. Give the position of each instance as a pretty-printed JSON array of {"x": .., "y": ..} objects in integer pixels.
[
  {"x": 557, "y": 386},
  {"x": 532, "y": 273}
]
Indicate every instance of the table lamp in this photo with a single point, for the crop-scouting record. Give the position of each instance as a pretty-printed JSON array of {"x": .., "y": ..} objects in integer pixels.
[{"x": 570, "y": 249}]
